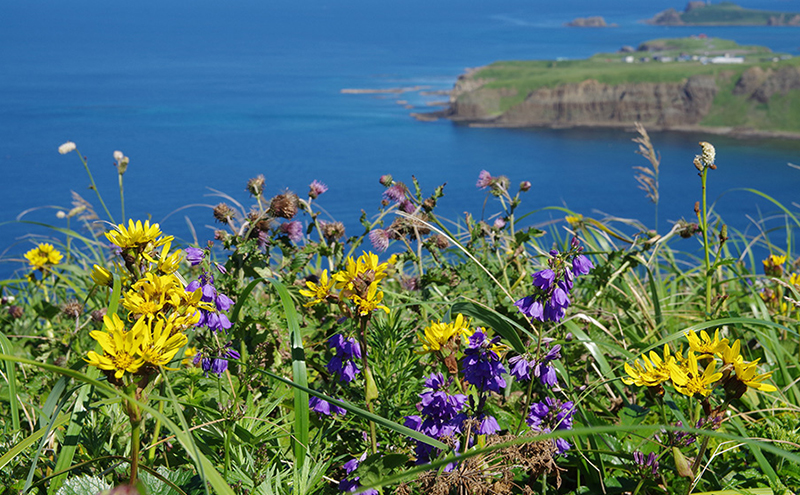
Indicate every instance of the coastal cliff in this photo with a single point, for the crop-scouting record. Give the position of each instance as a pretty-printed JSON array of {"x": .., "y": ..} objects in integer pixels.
[
  {"x": 591, "y": 103},
  {"x": 756, "y": 94}
]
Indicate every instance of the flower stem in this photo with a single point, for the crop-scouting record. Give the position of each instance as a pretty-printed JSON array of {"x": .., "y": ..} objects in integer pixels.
[
  {"x": 370, "y": 390},
  {"x": 706, "y": 247},
  {"x": 94, "y": 186},
  {"x": 135, "y": 443},
  {"x": 527, "y": 406},
  {"x": 122, "y": 197}
]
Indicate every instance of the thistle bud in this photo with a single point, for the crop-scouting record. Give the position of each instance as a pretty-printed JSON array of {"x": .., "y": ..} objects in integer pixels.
[
  {"x": 255, "y": 186},
  {"x": 73, "y": 309},
  {"x": 525, "y": 186},
  {"x": 332, "y": 231},
  {"x": 284, "y": 205},
  {"x": 385, "y": 180},
  {"x": 16, "y": 312},
  {"x": 223, "y": 213}
]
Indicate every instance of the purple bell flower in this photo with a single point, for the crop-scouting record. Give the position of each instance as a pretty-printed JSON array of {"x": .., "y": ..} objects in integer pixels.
[
  {"x": 194, "y": 255},
  {"x": 324, "y": 407},
  {"x": 343, "y": 364}
]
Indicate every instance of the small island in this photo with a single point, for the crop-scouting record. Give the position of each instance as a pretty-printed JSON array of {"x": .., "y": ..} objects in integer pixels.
[
  {"x": 593, "y": 22},
  {"x": 689, "y": 83},
  {"x": 700, "y": 13}
]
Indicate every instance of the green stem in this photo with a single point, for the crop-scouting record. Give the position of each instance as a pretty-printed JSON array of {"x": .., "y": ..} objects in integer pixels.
[
  {"x": 151, "y": 454},
  {"x": 368, "y": 383},
  {"x": 135, "y": 443},
  {"x": 639, "y": 486},
  {"x": 706, "y": 247},
  {"x": 94, "y": 186},
  {"x": 528, "y": 395},
  {"x": 122, "y": 197}
]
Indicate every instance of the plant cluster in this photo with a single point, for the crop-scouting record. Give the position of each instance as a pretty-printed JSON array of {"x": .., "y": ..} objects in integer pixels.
[{"x": 495, "y": 354}]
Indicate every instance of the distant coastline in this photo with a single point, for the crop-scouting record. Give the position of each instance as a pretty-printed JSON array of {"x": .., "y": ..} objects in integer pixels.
[
  {"x": 684, "y": 84},
  {"x": 700, "y": 13}
]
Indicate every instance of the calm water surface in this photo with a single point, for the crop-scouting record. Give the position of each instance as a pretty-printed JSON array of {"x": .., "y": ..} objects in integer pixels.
[{"x": 210, "y": 96}]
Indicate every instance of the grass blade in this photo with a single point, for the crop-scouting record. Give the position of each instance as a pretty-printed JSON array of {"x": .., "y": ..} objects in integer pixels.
[
  {"x": 11, "y": 375},
  {"x": 299, "y": 375}
]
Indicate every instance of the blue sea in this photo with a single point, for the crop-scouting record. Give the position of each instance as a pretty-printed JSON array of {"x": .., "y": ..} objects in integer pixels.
[{"x": 203, "y": 96}]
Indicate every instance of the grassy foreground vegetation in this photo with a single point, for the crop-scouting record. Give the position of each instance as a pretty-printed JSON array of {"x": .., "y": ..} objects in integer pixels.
[{"x": 487, "y": 355}]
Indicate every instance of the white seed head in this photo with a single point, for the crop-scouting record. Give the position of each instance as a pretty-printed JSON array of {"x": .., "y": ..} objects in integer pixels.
[
  {"x": 118, "y": 156},
  {"x": 61, "y": 214},
  {"x": 709, "y": 153},
  {"x": 66, "y": 147}
]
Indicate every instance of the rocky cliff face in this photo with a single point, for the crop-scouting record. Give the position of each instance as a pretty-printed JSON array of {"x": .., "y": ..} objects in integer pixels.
[{"x": 592, "y": 103}]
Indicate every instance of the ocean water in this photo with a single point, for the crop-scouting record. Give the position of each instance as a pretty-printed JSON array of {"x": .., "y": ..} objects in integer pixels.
[{"x": 203, "y": 98}]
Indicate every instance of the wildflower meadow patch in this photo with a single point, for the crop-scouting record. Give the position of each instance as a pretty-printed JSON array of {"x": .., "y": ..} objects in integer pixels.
[{"x": 535, "y": 352}]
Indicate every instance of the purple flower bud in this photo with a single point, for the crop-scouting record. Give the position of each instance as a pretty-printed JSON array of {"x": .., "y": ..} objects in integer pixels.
[
  {"x": 544, "y": 279},
  {"x": 488, "y": 426},
  {"x": 379, "y": 239},
  {"x": 484, "y": 180},
  {"x": 293, "y": 230},
  {"x": 316, "y": 188},
  {"x": 525, "y": 186},
  {"x": 581, "y": 265},
  {"x": 194, "y": 255}
]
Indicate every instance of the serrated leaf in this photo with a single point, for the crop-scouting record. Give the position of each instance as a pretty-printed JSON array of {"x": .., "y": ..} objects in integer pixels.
[
  {"x": 84, "y": 485},
  {"x": 155, "y": 486}
]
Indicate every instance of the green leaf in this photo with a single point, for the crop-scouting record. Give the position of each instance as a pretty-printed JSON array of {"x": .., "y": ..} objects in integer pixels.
[
  {"x": 403, "y": 430},
  {"x": 156, "y": 486},
  {"x": 11, "y": 377},
  {"x": 299, "y": 375},
  {"x": 502, "y": 325},
  {"x": 84, "y": 485}
]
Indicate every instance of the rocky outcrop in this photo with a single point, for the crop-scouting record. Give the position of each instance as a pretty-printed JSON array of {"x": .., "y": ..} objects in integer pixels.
[
  {"x": 751, "y": 80},
  {"x": 591, "y": 103},
  {"x": 781, "y": 82},
  {"x": 784, "y": 20},
  {"x": 669, "y": 17},
  {"x": 596, "y": 21}
]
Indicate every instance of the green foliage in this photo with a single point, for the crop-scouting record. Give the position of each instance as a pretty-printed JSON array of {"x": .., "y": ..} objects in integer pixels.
[{"x": 238, "y": 421}]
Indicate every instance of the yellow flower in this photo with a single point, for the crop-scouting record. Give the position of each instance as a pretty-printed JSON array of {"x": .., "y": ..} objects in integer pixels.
[
  {"x": 697, "y": 383},
  {"x": 773, "y": 265},
  {"x": 731, "y": 353},
  {"x": 344, "y": 278},
  {"x": 746, "y": 373},
  {"x": 318, "y": 292},
  {"x": 122, "y": 349},
  {"x": 160, "y": 343},
  {"x": 371, "y": 302},
  {"x": 168, "y": 263},
  {"x": 101, "y": 276},
  {"x": 154, "y": 293},
  {"x": 43, "y": 255},
  {"x": 705, "y": 345},
  {"x": 653, "y": 371},
  {"x": 137, "y": 236},
  {"x": 437, "y": 334},
  {"x": 366, "y": 266}
]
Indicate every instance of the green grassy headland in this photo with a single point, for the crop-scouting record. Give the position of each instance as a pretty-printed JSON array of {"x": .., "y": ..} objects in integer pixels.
[
  {"x": 780, "y": 113},
  {"x": 725, "y": 13}
]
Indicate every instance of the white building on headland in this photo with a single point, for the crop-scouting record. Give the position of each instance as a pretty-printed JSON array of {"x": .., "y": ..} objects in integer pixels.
[{"x": 727, "y": 59}]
